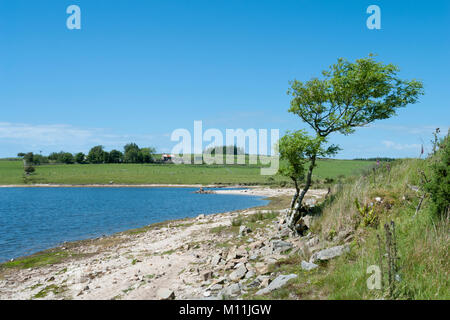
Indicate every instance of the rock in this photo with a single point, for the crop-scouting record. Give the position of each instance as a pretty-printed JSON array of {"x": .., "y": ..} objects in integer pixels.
[
  {"x": 313, "y": 242},
  {"x": 249, "y": 274},
  {"x": 277, "y": 283},
  {"x": 307, "y": 220},
  {"x": 284, "y": 232},
  {"x": 254, "y": 284},
  {"x": 241, "y": 252},
  {"x": 215, "y": 260},
  {"x": 262, "y": 268},
  {"x": 243, "y": 230},
  {"x": 216, "y": 287},
  {"x": 253, "y": 256},
  {"x": 232, "y": 290},
  {"x": 255, "y": 245},
  {"x": 308, "y": 265},
  {"x": 280, "y": 246},
  {"x": 311, "y": 202},
  {"x": 264, "y": 282},
  {"x": 239, "y": 273},
  {"x": 329, "y": 253},
  {"x": 165, "y": 294},
  {"x": 342, "y": 235},
  {"x": 206, "y": 275},
  {"x": 231, "y": 254},
  {"x": 200, "y": 216},
  {"x": 378, "y": 199},
  {"x": 220, "y": 280},
  {"x": 207, "y": 293}
]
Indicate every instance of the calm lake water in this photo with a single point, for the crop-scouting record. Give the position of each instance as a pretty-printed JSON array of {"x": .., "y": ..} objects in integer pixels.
[{"x": 34, "y": 219}]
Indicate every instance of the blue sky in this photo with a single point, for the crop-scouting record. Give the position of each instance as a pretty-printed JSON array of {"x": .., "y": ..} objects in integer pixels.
[{"x": 137, "y": 70}]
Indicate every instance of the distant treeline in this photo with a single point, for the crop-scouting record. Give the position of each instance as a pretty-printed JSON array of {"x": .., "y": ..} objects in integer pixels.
[
  {"x": 384, "y": 159},
  {"x": 235, "y": 150},
  {"x": 131, "y": 154}
]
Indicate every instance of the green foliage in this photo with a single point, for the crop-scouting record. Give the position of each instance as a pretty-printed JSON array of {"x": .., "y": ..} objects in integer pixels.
[
  {"x": 67, "y": 158},
  {"x": 368, "y": 215},
  {"x": 147, "y": 155},
  {"x": 293, "y": 148},
  {"x": 352, "y": 95},
  {"x": 132, "y": 153},
  {"x": 115, "y": 156},
  {"x": 29, "y": 169},
  {"x": 97, "y": 155},
  {"x": 80, "y": 158},
  {"x": 439, "y": 184}
]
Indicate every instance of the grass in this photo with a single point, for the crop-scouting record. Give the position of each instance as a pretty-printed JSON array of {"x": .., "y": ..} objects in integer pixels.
[
  {"x": 422, "y": 241},
  {"x": 51, "y": 288},
  {"x": 44, "y": 258},
  {"x": 11, "y": 172}
]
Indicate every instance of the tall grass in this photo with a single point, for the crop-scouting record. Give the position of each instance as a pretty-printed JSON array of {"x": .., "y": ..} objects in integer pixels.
[{"x": 422, "y": 239}]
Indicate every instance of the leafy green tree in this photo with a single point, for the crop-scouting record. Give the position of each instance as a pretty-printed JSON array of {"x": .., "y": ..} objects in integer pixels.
[
  {"x": 39, "y": 159},
  {"x": 67, "y": 158},
  {"x": 147, "y": 155},
  {"x": 296, "y": 149},
  {"x": 132, "y": 153},
  {"x": 349, "y": 95},
  {"x": 80, "y": 157},
  {"x": 97, "y": 155},
  {"x": 115, "y": 156}
]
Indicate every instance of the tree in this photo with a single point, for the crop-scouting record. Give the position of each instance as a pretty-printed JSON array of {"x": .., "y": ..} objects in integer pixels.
[
  {"x": 67, "y": 158},
  {"x": 296, "y": 149},
  {"x": 28, "y": 161},
  {"x": 115, "y": 156},
  {"x": 132, "y": 153},
  {"x": 350, "y": 95},
  {"x": 147, "y": 154},
  {"x": 97, "y": 155},
  {"x": 80, "y": 157}
]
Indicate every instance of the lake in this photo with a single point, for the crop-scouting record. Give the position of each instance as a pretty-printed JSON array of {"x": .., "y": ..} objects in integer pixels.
[{"x": 34, "y": 219}]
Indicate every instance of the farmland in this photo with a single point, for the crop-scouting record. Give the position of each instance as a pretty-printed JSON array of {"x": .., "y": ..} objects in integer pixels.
[{"x": 11, "y": 172}]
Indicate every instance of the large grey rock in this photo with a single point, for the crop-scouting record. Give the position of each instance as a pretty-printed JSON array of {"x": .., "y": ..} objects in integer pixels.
[
  {"x": 232, "y": 290},
  {"x": 239, "y": 273},
  {"x": 277, "y": 283},
  {"x": 329, "y": 253},
  {"x": 165, "y": 294},
  {"x": 308, "y": 265},
  {"x": 250, "y": 274},
  {"x": 280, "y": 246}
]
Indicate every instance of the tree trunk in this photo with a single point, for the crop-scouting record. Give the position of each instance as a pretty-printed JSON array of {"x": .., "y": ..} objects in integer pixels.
[
  {"x": 296, "y": 214},
  {"x": 297, "y": 191}
]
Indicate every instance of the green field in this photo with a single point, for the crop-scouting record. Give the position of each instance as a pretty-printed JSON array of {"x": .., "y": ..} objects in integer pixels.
[{"x": 11, "y": 172}]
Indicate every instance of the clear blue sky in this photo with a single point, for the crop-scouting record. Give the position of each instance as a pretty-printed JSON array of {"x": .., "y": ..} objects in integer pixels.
[{"x": 137, "y": 70}]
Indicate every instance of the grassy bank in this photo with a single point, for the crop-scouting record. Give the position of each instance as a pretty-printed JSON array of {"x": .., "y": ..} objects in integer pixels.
[
  {"x": 422, "y": 240},
  {"x": 11, "y": 172}
]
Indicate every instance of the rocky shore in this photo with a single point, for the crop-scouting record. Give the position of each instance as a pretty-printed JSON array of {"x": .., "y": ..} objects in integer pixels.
[{"x": 217, "y": 256}]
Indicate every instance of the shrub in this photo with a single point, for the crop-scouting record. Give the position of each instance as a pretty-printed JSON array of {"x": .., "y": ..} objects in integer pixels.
[{"x": 439, "y": 184}]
